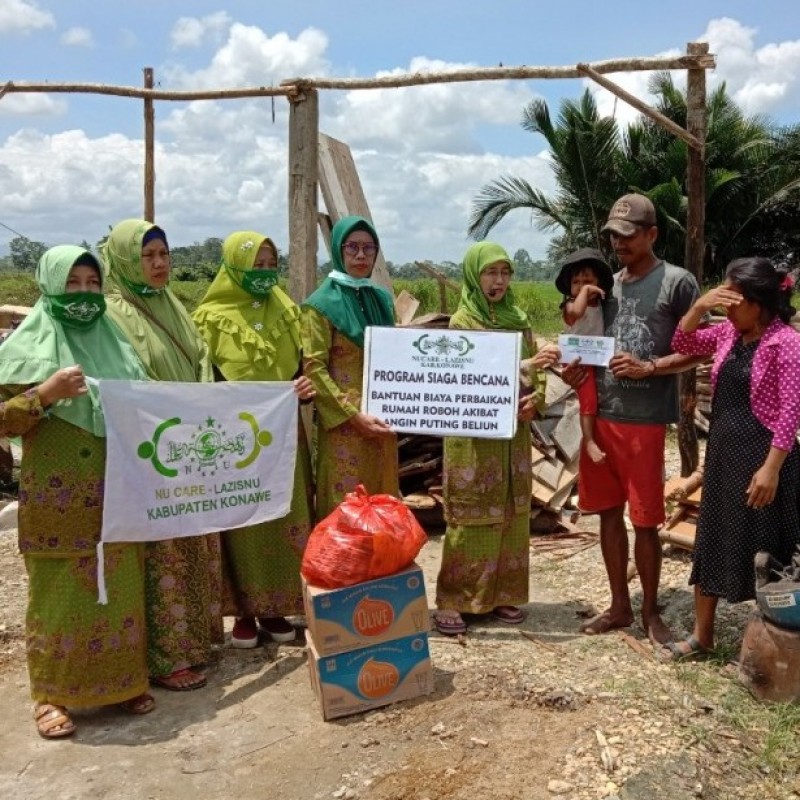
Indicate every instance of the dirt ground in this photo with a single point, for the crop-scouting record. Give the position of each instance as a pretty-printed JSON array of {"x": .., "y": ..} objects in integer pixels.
[{"x": 558, "y": 715}]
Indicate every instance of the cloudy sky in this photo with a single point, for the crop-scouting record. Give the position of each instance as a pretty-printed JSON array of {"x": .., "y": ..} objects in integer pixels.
[{"x": 71, "y": 165}]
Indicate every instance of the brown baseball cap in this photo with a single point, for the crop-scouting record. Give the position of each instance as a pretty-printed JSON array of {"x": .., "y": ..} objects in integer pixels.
[{"x": 628, "y": 213}]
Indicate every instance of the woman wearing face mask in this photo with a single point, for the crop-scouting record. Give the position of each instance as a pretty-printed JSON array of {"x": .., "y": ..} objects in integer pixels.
[
  {"x": 184, "y": 575},
  {"x": 253, "y": 333},
  {"x": 352, "y": 447},
  {"x": 487, "y": 482},
  {"x": 79, "y": 653}
]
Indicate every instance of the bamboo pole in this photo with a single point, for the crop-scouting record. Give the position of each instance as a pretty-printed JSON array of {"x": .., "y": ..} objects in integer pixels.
[
  {"x": 149, "y": 150},
  {"x": 10, "y": 87},
  {"x": 510, "y": 73},
  {"x": 303, "y": 174},
  {"x": 639, "y": 105},
  {"x": 695, "y": 244},
  {"x": 294, "y": 86}
]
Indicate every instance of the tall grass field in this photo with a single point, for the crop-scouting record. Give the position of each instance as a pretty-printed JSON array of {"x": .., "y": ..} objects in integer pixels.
[{"x": 539, "y": 300}]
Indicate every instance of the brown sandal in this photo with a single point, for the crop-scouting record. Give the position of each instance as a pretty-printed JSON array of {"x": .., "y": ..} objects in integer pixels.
[
  {"x": 53, "y": 722},
  {"x": 142, "y": 704},
  {"x": 182, "y": 680}
]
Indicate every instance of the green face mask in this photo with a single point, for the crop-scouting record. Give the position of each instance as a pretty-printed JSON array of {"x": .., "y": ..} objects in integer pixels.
[
  {"x": 142, "y": 289},
  {"x": 257, "y": 282},
  {"x": 77, "y": 309}
]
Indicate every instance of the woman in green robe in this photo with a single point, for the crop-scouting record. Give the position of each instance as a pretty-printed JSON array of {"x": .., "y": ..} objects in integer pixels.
[
  {"x": 183, "y": 575},
  {"x": 352, "y": 447},
  {"x": 80, "y": 653},
  {"x": 487, "y": 482},
  {"x": 252, "y": 329}
]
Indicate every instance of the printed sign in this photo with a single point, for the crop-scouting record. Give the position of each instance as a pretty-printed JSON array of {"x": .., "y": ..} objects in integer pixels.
[
  {"x": 443, "y": 382},
  {"x": 594, "y": 351},
  {"x": 185, "y": 459}
]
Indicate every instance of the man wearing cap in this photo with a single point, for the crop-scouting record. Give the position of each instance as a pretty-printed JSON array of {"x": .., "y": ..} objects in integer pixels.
[{"x": 637, "y": 398}]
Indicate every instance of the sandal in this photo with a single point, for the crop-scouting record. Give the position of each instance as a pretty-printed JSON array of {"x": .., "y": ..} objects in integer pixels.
[
  {"x": 53, "y": 722},
  {"x": 449, "y": 623},
  {"x": 143, "y": 704},
  {"x": 182, "y": 680},
  {"x": 511, "y": 615},
  {"x": 672, "y": 651}
]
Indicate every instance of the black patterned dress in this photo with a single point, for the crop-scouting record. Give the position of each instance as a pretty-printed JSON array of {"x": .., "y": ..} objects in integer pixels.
[{"x": 729, "y": 533}]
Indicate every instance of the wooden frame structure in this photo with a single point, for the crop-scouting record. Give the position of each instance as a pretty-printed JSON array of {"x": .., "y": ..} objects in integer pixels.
[{"x": 303, "y": 97}]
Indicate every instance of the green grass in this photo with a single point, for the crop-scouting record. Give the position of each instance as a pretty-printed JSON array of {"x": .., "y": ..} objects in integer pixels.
[{"x": 539, "y": 300}]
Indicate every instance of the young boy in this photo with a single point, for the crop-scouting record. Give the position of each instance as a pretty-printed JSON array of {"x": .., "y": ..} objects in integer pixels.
[{"x": 584, "y": 280}]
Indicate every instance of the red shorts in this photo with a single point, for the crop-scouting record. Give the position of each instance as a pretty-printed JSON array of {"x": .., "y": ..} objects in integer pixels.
[
  {"x": 633, "y": 471},
  {"x": 587, "y": 395}
]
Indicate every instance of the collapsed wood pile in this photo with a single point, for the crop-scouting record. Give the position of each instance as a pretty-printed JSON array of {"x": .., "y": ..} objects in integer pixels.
[
  {"x": 682, "y": 496},
  {"x": 10, "y": 318}
]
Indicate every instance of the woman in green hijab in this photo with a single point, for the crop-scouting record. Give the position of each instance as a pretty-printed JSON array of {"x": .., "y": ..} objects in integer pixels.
[
  {"x": 487, "y": 482},
  {"x": 79, "y": 653},
  {"x": 252, "y": 329},
  {"x": 352, "y": 447},
  {"x": 184, "y": 575}
]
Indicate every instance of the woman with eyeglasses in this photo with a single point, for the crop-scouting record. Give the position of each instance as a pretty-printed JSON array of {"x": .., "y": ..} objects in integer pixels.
[
  {"x": 487, "y": 482},
  {"x": 352, "y": 447},
  {"x": 252, "y": 329}
]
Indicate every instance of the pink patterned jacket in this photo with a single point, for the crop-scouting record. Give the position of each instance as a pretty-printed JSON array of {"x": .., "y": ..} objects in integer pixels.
[{"x": 775, "y": 378}]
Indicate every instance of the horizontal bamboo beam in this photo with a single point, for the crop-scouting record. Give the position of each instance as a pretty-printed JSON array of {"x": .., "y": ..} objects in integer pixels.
[
  {"x": 640, "y": 105},
  {"x": 501, "y": 73},
  {"x": 11, "y": 87},
  {"x": 294, "y": 86}
]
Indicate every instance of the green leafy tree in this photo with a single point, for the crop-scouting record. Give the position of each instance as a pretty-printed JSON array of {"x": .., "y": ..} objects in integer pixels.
[
  {"x": 25, "y": 253},
  {"x": 752, "y": 178}
]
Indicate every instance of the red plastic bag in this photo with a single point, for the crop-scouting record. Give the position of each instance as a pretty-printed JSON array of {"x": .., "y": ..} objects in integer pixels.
[{"x": 364, "y": 537}]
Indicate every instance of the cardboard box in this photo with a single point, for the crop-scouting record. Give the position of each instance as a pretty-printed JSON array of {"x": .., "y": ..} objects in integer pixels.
[
  {"x": 371, "y": 677},
  {"x": 367, "y": 613}
]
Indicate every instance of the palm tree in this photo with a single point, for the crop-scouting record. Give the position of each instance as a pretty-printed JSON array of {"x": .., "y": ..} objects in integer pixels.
[
  {"x": 752, "y": 177},
  {"x": 583, "y": 146}
]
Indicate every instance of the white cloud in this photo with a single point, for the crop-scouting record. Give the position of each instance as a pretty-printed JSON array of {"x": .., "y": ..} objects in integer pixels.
[
  {"x": 421, "y": 203},
  {"x": 22, "y": 16},
  {"x": 77, "y": 37},
  {"x": 762, "y": 80},
  {"x": 193, "y": 31},
  {"x": 67, "y": 187},
  {"x": 437, "y": 117},
  {"x": 250, "y": 57},
  {"x": 32, "y": 105}
]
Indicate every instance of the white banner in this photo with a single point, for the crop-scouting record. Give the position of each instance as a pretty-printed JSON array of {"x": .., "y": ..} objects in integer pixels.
[
  {"x": 185, "y": 459},
  {"x": 443, "y": 382}
]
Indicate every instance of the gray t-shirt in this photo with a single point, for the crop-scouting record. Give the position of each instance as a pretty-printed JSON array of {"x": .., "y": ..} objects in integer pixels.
[{"x": 642, "y": 316}]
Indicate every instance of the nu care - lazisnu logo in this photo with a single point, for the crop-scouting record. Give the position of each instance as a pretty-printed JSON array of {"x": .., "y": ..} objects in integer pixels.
[
  {"x": 444, "y": 348},
  {"x": 209, "y": 448}
]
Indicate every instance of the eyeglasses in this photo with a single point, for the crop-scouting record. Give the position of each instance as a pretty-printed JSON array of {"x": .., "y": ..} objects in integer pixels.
[{"x": 353, "y": 248}]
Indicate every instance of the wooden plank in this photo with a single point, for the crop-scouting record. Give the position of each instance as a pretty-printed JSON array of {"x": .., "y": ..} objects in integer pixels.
[
  {"x": 302, "y": 201},
  {"x": 343, "y": 195},
  {"x": 542, "y": 428},
  {"x": 566, "y": 435},
  {"x": 537, "y": 456},
  {"x": 561, "y": 496},
  {"x": 549, "y": 472},
  {"x": 405, "y": 306},
  {"x": 556, "y": 410},
  {"x": 674, "y": 485},
  {"x": 681, "y": 535},
  {"x": 556, "y": 389}
]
